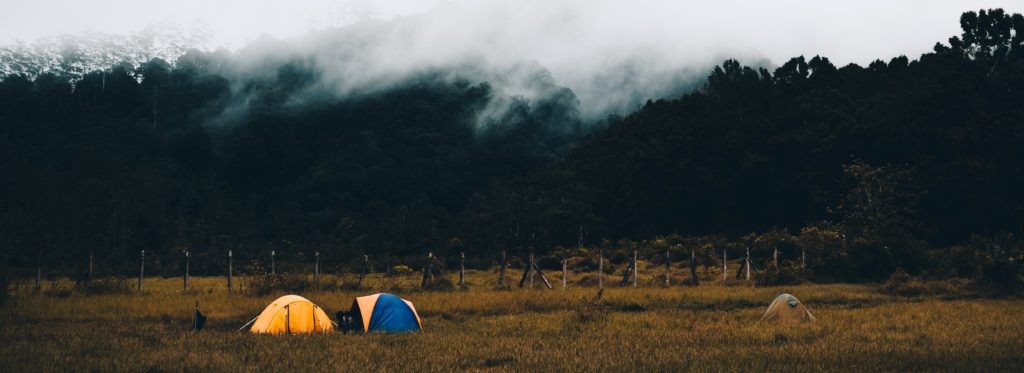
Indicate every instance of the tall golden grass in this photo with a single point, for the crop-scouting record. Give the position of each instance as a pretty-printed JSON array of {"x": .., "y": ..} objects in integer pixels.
[{"x": 650, "y": 328}]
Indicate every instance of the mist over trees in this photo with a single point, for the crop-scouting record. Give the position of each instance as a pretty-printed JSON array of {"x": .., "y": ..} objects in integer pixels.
[{"x": 906, "y": 155}]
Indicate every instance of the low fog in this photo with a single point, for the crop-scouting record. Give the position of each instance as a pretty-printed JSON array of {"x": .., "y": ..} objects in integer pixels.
[{"x": 612, "y": 55}]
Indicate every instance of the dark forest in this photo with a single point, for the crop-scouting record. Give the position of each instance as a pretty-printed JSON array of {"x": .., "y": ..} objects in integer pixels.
[{"x": 912, "y": 163}]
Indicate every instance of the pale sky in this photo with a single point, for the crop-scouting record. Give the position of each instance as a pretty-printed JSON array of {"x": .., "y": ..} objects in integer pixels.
[{"x": 847, "y": 31}]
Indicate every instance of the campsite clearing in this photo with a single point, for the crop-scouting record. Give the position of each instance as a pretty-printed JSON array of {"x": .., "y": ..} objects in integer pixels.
[{"x": 710, "y": 327}]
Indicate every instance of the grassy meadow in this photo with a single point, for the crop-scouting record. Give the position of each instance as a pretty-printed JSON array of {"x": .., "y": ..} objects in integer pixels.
[{"x": 650, "y": 328}]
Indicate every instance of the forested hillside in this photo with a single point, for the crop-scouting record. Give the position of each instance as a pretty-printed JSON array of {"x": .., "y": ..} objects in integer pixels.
[{"x": 910, "y": 155}]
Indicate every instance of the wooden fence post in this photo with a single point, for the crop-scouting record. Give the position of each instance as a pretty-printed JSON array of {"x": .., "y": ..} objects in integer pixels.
[
  {"x": 88, "y": 276},
  {"x": 694, "y": 281},
  {"x": 775, "y": 258},
  {"x": 185, "y": 285},
  {"x": 803, "y": 257},
  {"x": 501, "y": 271},
  {"x": 316, "y": 269},
  {"x": 725, "y": 265},
  {"x": 668, "y": 268},
  {"x": 142, "y": 268},
  {"x": 747, "y": 263},
  {"x": 462, "y": 269},
  {"x": 273, "y": 271},
  {"x": 230, "y": 269},
  {"x": 530, "y": 270},
  {"x": 565, "y": 273},
  {"x": 39, "y": 273},
  {"x": 600, "y": 269},
  {"x": 362, "y": 269},
  {"x": 427, "y": 270},
  {"x": 636, "y": 271}
]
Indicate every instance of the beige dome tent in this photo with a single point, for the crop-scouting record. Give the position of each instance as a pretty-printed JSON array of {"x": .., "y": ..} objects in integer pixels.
[{"x": 786, "y": 307}]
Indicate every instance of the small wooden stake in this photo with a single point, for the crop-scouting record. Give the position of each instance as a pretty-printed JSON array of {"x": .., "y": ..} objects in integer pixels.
[
  {"x": 462, "y": 269},
  {"x": 273, "y": 271},
  {"x": 803, "y": 257},
  {"x": 142, "y": 268},
  {"x": 230, "y": 269},
  {"x": 775, "y": 258},
  {"x": 600, "y": 269}
]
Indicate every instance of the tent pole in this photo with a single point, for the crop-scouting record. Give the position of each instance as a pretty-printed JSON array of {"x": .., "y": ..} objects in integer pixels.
[{"x": 247, "y": 324}]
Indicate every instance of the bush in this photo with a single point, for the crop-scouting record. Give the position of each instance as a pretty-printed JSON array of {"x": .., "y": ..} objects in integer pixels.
[
  {"x": 4, "y": 284},
  {"x": 400, "y": 270},
  {"x": 901, "y": 283},
  {"x": 266, "y": 284},
  {"x": 549, "y": 263},
  {"x": 1003, "y": 274},
  {"x": 590, "y": 309},
  {"x": 786, "y": 275},
  {"x": 100, "y": 286}
]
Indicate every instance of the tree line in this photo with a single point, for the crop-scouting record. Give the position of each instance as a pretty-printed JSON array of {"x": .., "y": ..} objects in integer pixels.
[{"x": 905, "y": 160}]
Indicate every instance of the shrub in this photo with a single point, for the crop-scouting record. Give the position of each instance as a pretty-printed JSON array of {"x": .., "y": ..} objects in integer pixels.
[
  {"x": 549, "y": 263},
  {"x": 100, "y": 286},
  {"x": 1003, "y": 274},
  {"x": 590, "y": 309},
  {"x": 401, "y": 270},
  {"x": 4, "y": 284},
  {"x": 786, "y": 275},
  {"x": 901, "y": 283}
]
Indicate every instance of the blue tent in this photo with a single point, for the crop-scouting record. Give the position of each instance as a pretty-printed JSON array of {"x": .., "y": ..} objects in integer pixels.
[{"x": 386, "y": 313}]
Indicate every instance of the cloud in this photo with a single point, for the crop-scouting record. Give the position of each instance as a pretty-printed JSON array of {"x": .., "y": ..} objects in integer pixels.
[{"x": 612, "y": 54}]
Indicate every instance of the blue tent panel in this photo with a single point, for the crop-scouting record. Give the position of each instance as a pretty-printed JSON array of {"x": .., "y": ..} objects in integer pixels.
[{"x": 392, "y": 315}]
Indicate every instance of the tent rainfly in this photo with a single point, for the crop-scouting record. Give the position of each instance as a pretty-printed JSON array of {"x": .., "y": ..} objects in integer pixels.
[
  {"x": 786, "y": 308},
  {"x": 292, "y": 314},
  {"x": 385, "y": 313}
]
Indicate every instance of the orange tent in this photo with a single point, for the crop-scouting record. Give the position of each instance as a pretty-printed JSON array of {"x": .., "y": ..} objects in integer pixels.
[{"x": 292, "y": 314}]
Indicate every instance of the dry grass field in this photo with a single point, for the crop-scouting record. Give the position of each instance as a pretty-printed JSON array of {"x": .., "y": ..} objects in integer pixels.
[{"x": 708, "y": 328}]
